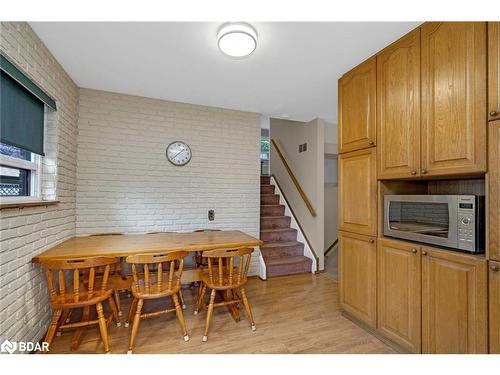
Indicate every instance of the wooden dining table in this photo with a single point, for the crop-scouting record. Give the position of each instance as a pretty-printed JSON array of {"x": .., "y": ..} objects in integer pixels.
[{"x": 121, "y": 246}]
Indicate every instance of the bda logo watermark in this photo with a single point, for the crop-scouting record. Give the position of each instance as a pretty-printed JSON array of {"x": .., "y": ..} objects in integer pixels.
[{"x": 23, "y": 346}]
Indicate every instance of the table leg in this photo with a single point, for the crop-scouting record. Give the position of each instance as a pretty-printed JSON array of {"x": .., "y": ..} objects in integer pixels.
[
  {"x": 233, "y": 309},
  {"x": 78, "y": 335}
]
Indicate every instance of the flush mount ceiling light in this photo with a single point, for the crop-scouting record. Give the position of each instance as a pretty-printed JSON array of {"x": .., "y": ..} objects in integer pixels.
[{"x": 237, "y": 39}]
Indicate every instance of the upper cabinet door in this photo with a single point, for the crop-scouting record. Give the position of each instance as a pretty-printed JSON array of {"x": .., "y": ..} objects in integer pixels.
[
  {"x": 357, "y": 92},
  {"x": 358, "y": 192},
  {"x": 454, "y": 302},
  {"x": 494, "y": 191},
  {"x": 398, "y": 108},
  {"x": 453, "y": 137},
  {"x": 494, "y": 70}
]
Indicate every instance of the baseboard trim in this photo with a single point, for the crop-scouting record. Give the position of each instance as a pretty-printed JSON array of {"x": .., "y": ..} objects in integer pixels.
[{"x": 372, "y": 331}]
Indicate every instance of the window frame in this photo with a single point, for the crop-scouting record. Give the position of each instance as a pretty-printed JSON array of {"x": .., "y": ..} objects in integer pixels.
[{"x": 34, "y": 166}]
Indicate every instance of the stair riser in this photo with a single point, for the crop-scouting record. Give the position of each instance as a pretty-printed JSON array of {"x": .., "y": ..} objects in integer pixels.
[
  {"x": 280, "y": 252},
  {"x": 267, "y": 189},
  {"x": 289, "y": 235},
  {"x": 275, "y": 222},
  {"x": 266, "y": 180},
  {"x": 272, "y": 211},
  {"x": 288, "y": 269},
  {"x": 270, "y": 199}
]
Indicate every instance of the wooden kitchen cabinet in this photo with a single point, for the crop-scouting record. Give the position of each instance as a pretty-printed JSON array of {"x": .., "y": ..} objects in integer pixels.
[
  {"x": 399, "y": 293},
  {"x": 494, "y": 70},
  {"x": 358, "y": 192},
  {"x": 454, "y": 302},
  {"x": 357, "y": 92},
  {"x": 453, "y": 68},
  {"x": 494, "y": 279},
  {"x": 398, "y": 108},
  {"x": 494, "y": 191},
  {"x": 358, "y": 276}
]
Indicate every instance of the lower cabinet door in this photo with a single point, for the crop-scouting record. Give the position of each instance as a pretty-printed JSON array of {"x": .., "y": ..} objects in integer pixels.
[
  {"x": 454, "y": 302},
  {"x": 357, "y": 276},
  {"x": 495, "y": 307},
  {"x": 399, "y": 293}
]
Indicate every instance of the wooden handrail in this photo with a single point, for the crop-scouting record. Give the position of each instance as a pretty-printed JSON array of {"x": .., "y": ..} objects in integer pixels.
[
  {"x": 294, "y": 180},
  {"x": 331, "y": 246}
]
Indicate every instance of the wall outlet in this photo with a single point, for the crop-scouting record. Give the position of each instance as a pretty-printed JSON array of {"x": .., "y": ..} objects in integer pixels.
[{"x": 211, "y": 215}]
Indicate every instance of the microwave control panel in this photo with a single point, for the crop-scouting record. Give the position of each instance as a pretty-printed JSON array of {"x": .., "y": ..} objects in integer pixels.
[{"x": 467, "y": 223}]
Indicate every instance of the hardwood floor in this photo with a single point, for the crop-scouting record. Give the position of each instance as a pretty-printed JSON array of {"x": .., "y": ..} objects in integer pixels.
[{"x": 293, "y": 314}]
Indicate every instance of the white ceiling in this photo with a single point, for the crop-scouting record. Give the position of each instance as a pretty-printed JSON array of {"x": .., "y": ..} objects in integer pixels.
[{"x": 294, "y": 70}]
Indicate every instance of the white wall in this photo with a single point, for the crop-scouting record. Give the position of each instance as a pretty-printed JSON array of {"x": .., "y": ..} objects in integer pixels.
[
  {"x": 24, "y": 233},
  {"x": 308, "y": 168},
  {"x": 126, "y": 184}
]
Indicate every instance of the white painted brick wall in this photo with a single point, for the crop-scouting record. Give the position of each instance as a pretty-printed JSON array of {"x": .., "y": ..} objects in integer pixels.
[
  {"x": 126, "y": 184},
  {"x": 24, "y": 298}
]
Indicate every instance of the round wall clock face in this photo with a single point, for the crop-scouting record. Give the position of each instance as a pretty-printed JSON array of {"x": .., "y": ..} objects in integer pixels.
[{"x": 178, "y": 153}]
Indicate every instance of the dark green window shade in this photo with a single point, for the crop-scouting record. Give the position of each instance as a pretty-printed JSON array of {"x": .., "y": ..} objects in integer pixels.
[{"x": 21, "y": 118}]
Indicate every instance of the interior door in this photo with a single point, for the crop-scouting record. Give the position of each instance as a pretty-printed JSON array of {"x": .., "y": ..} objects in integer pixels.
[
  {"x": 358, "y": 192},
  {"x": 454, "y": 302},
  {"x": 398, "y": 108},
  {"x": 453, "y": 138},
  {"x": 357, "y": 92},
  {"x": 399, "y": 293},
  {"x": 358, "y": 276}
]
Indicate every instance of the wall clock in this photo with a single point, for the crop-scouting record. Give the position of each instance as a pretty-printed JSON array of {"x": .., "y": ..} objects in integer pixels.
[{"x": 178, "y": 153}]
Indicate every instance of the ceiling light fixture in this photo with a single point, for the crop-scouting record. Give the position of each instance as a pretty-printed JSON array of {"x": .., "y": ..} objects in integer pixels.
[{"x": 237, "y": 39}]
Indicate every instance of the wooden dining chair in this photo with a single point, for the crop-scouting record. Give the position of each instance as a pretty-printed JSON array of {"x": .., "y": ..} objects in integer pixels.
[
  {"x": 64, "y": 299},
  {"x": 226, "y": 272},
  {"x": 165, "y": 281}
]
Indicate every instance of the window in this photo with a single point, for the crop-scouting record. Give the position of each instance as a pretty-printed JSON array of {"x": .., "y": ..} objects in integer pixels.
[{"x": 19, "y": 173}]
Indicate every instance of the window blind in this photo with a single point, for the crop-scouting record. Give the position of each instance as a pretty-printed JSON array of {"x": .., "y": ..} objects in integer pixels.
[{"x": 21, "y": 109}]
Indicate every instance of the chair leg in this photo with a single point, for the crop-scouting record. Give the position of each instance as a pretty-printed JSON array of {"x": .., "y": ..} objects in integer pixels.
[
  {"x": 116, "y": 295},
  {"x": 131, "y": 312},
  {"x": 247, "y": 308},
  {"x": 180, "y": 316},
  {"x": 209, "y": 314},
  {"x": 135, "y": 325},
  {"x": 181, "y": 297},
  {"x": 114, "y": 311},
  {"x": 103, "y": 327},
  {"x": 201, "y": 296},
  {"x": 53, "y": 327}
]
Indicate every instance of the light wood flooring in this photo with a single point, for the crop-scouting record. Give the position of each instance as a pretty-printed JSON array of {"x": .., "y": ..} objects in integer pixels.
[{"x": 293, "y": 314}]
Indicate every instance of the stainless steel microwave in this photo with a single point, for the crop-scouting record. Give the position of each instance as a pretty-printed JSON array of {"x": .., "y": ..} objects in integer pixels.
[{"x": 454, "y": 221}]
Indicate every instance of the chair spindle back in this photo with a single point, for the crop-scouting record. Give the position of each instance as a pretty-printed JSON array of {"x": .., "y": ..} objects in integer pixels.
[
  {"x": 222, "y": 269},
  {"x": 63, "y": 269},
  {"x": 158, "y": 265}
]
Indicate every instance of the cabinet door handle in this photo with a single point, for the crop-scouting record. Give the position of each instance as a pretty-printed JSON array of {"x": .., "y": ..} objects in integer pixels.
[
  {"x": 494, "y": 267},
  {"x": 371, "y": 143},
  {"x": 493, "y": 113},
  {"x": 413, "y": 173},
  {"x": 372, "y": 240},
  {"x": 414, "y": 251},
  {"x": 424, "y": 253},
  {"x": 423, "y": 171}
]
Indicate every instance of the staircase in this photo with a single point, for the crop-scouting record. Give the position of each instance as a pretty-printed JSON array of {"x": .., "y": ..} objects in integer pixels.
[{"x": 282, "y": 253}]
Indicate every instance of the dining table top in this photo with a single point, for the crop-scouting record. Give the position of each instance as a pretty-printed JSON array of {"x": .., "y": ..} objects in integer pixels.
[{"x": 131, "y": 244}]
